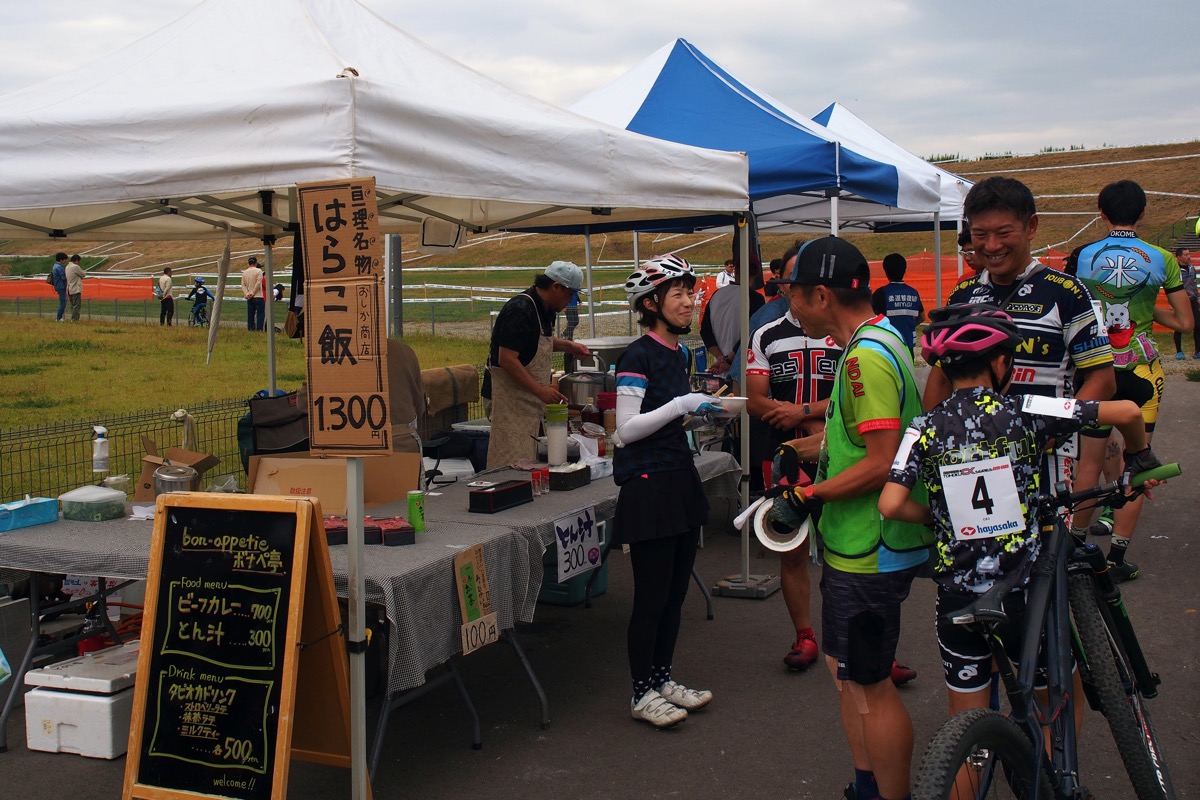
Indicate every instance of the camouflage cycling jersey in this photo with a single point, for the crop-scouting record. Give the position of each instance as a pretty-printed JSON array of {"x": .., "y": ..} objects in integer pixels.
[{"x": 972, "y": 452}]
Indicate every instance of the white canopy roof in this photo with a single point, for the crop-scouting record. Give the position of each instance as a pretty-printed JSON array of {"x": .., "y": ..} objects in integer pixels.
[
  {"x": 183, "y": 130},
  {"x": 854, "y": 131}
]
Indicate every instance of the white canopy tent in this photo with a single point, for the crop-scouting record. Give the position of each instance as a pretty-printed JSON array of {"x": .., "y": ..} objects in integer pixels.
[
  {"x": 207, "y": 124},
  {"x": 213, "y": 118}
]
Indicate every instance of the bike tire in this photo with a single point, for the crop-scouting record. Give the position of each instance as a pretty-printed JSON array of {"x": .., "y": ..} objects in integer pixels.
[
  {"x": 1121, "y": 703},
  {"x": 997, "y": 752}
]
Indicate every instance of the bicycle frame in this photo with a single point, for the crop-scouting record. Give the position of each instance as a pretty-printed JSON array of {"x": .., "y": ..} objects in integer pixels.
[{"x": 1047, "y": 618}]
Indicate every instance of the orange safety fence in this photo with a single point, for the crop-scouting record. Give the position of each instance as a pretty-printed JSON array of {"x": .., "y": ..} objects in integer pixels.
[{"x": 94, "y": 288}]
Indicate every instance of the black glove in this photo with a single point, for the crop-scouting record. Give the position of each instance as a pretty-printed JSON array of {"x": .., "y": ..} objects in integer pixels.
[
  {"x": 790, "y": 507},
  {"x": 785, "y": 464},
  {"x": 1139, "y": 462}
]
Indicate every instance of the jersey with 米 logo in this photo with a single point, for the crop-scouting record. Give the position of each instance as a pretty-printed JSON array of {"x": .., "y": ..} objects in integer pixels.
[
  {"x": 1124, "y": 275},
  {"x": 1060, "y": 331},
  {"x": 966, "y": 452}
]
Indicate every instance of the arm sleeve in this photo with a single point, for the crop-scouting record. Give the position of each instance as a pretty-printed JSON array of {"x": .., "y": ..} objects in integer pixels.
[
  {"x": 632, "y": 424},
  {"x": 906, "y": 466}
]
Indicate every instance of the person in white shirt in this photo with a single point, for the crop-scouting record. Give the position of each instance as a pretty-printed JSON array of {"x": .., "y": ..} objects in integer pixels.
[{"x": 252, "y": 287}]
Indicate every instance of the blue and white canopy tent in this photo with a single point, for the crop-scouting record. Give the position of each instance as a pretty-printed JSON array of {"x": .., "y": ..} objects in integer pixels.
[{"x": 802, "y": 177}]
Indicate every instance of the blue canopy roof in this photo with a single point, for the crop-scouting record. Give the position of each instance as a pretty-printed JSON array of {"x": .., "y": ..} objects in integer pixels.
[{"x": 681, "y": 95}]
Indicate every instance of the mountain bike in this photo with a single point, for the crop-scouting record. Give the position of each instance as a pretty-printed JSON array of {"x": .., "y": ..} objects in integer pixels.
[
  {"x": 982, "y": 753},
  {"x": 199, "y": 317}
]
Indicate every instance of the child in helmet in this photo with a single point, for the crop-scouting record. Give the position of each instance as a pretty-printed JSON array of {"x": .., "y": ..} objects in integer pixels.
[
  {"x": 979, "y": 454},
  {"x": 199, "y": 296},
  {"x": 661, "y": 505}
]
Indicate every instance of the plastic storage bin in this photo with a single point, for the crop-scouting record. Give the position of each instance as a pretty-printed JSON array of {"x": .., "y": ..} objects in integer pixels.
[
  {"x": 93, "y": 503},
  {"x": 31, "y": 511},
  {"x": 570, "y": 593}
]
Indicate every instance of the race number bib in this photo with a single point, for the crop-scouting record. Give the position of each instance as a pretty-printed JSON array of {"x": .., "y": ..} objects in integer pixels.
[
  {"x": 1063, "y": 407},
  {"x": 981, "y": 498}
]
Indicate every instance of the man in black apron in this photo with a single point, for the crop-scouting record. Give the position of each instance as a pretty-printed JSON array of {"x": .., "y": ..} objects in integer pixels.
[{"x": 517, "y": 379}]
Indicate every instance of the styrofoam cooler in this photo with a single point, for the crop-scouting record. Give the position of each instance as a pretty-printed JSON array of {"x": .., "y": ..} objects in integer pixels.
[{"x": 83, "y": 705}]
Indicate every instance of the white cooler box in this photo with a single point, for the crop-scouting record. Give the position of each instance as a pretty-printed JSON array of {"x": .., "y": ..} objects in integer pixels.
[{"x": 83, "y": 705}]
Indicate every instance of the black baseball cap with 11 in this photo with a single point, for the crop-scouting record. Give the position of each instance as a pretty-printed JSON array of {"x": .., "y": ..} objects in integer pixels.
[{"x": 829, "y": 261}]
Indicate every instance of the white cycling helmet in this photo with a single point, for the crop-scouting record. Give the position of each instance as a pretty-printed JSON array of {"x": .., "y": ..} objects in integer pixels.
[{"x": 654, "y": 273}]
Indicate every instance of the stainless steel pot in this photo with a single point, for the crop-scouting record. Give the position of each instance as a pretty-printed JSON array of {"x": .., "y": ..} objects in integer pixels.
[
  {"x": 171, "y": 478},
  {"x": 586, "y": 382}
]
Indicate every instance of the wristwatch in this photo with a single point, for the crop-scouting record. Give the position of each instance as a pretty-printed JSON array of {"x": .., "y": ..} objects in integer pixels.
[{"x": 806, "y": 409}]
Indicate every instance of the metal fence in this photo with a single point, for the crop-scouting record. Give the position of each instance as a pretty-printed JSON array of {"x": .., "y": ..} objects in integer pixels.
[{"x": 47, "y": 460}]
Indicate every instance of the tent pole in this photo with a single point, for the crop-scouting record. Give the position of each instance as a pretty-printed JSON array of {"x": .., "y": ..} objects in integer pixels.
[
  {"x": 587, "y": 258},
  {"x": 744, "y": 584},
  {"x": 269, "y": 318},
  {"x": 357, "y": 611},
  {"x": 937, "y": 256},
  {"x": 833, "y": 215}
]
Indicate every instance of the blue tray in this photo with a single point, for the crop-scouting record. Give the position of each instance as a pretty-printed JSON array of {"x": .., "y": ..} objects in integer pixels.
[{"x": 23, "y": 513}]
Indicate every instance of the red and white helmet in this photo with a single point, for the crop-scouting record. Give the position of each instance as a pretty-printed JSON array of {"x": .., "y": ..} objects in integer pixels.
[{"x": 654, "y": 273}]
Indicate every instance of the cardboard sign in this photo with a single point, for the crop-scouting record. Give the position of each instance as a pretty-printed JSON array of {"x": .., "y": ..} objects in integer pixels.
[
  {"x": 241, "y": 667},
  {"x": 479, "y": 627},
  {"x": 580, "y": 547},
  {"x": 345, "y": 329}
]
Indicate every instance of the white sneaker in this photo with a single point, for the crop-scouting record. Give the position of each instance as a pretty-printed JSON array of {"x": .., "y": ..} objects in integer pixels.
[
  {"x": 658, "y": 712},
  {"x": 682, "y": 696}
]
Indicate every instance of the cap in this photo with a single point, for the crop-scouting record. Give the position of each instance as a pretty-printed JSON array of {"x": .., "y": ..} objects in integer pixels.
[
  {"x": 567, "y": 274},
  {"x": 252, "y": 260},
  {"x": 829, "y": 261}
]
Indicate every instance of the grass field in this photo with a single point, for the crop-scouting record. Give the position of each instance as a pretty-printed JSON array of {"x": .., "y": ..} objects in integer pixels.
[{"x": 52, "y": 372}]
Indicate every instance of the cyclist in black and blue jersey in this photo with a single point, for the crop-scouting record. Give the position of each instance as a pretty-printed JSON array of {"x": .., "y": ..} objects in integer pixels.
[
  {"x": 199, "y": 296},
  {"x": 979, "y": 455}
]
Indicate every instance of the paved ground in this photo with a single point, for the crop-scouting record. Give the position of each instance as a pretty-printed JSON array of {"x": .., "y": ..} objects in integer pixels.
[{"x": 768, "y": 734}]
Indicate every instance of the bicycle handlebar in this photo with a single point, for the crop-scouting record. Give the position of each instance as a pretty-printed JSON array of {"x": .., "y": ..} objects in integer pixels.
[{"x": 1160, "y": 473}]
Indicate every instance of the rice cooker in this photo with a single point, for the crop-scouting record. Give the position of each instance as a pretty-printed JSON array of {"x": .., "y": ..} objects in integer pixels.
[
  {"x": 171, "y": 478},
  {"x": 587, "y": 381}
]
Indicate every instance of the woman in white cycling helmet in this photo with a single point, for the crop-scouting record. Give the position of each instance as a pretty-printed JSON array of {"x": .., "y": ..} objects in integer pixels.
[{"x": 661, "y": 505}]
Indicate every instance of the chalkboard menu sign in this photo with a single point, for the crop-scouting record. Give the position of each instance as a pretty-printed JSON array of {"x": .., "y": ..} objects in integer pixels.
[{"x": 217, "y": 676}]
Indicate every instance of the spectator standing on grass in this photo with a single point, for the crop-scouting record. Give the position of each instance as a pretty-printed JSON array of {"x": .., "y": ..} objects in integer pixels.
[
  {"x": 75, "y": 276},
  {"x": 166, "y": 306},
  {"x": 572, "y": 312},
  {"x": 899, "y": 301},
  {"x": 58, "y": 279},
  {"x": 870, "y": 562},
  {"x": 252, "y": 287},
  {"x": 1187, "y": 274}
]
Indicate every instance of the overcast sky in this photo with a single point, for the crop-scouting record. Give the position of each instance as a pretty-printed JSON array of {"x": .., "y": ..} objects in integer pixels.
[{"x": 937, "y": 77}]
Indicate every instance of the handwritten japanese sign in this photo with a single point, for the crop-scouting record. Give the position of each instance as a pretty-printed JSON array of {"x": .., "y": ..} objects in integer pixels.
[
  {"x": 579, "y": 546},
  {"x": 215, "y": 659},
  {"x": 479, "y": 626},
  {"x": 344, "y": 320}
]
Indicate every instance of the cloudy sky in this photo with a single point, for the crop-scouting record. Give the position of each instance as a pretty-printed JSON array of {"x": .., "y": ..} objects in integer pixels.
[{"x": 936, "y": 76}]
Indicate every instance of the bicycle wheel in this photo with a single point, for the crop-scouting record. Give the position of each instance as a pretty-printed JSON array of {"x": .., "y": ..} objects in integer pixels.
[
  {"x": 978, "y": 753},
  {"x": 1121, "y": 704}
]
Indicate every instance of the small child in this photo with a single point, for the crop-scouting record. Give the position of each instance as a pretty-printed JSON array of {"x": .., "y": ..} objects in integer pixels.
[{"x": 984, "y": 523}]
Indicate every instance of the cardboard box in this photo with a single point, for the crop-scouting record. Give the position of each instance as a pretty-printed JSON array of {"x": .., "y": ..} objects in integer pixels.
[
  {"x": 83, "y": 705},
  {"x": 385, "y": 478},
  {"x": 144, "y": 492}
]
